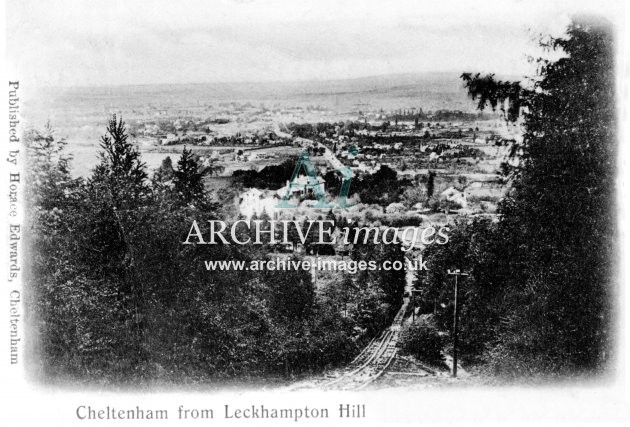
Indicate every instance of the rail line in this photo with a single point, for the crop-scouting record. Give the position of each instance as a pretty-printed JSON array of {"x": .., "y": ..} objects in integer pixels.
[{"x": 373, "y": 361}]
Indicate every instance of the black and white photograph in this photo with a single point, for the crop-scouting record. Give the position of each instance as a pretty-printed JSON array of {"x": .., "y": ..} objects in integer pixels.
[{"x": 273, "y": 212}]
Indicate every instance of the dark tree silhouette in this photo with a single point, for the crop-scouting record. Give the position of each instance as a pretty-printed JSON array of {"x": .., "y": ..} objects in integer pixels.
[
  {"x": 188, "y": 178},
  {"x": 557, "y": 234}
]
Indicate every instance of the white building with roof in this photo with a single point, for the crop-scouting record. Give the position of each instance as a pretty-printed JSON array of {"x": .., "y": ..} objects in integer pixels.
[
  {"x": 255, "y": 201},
  {"x": 302, "y": 186},
  {"x": 453, "y": 195}
]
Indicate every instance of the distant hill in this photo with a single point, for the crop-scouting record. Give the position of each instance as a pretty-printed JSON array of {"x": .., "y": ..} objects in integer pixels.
[{"x": 429, "y": 91}]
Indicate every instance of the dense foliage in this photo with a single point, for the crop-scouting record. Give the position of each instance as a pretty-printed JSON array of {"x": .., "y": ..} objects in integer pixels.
[
  {"x": 115, "y": 295},
  {"x": 270, "y": 177},
  {"x": 423, "y": 341},
  {"x": 538, "y": 301}
]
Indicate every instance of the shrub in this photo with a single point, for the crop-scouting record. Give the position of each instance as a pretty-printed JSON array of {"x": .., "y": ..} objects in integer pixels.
[
  {"x": 395, "y": 208},
  {"x": 423, "y": 341}
]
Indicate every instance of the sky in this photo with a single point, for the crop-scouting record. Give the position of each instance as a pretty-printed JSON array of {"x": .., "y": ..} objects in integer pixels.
[{"x": 116, "y": 42}]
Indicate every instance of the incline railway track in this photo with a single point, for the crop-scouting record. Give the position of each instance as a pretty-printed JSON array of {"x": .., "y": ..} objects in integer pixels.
[{"x": 373, "y": 361}]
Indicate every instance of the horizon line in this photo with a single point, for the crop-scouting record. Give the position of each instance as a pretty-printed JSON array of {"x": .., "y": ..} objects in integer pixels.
[{"x": 297, "y": 81}]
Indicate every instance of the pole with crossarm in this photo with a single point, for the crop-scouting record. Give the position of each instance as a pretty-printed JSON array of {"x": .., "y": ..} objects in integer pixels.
[{"x": 455, "y": 273}]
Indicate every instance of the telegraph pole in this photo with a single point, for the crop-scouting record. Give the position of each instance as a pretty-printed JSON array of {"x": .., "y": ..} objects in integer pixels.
[{"x": 455, "y": 273}]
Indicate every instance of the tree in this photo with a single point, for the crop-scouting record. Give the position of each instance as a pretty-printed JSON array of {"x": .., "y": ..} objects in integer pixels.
[
  {"x": 389, "y": 283},
  {"x": 115, "y": 297},
  {"x": 120, "y": 169},
  {"x": 423, "y": 341},
  {"x": 291, "y": 293},
  {"x": 83, "y": 300},
  {"x": 414, "y": 195},
  {"x": 188, "y": 178},
  {"x": 559, "y": 217},
  {"x": 165, "y": 172},
  {"x": 473, "y": 247},
  {"x": 48, "y": 168},
  {"x": 430, "y": 184}
]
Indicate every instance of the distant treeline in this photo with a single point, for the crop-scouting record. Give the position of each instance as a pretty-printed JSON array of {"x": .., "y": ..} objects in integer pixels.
[
  {"x": 382, "y": 187},
  {"x": 437, "y": 116}
]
